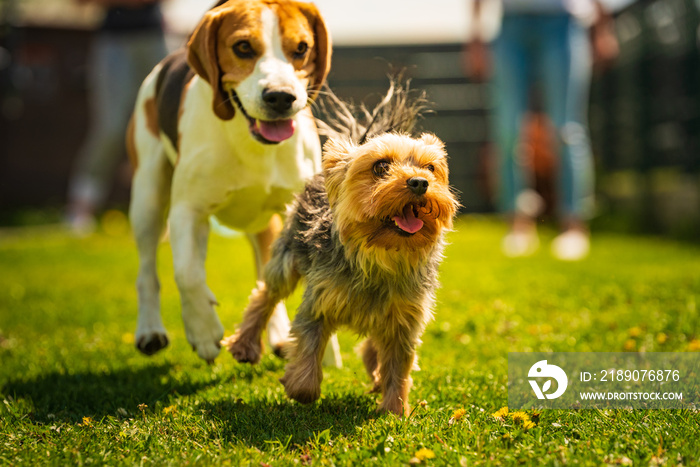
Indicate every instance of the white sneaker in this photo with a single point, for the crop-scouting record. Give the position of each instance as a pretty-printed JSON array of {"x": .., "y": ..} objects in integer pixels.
[
  {"x": 81, "y": 225},
  {"x": 520, "y": 244},
  {"x": 572, "y": 245}
]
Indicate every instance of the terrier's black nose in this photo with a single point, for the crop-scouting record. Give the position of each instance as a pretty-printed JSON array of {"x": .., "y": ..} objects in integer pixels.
[
  {"x": 279, "y": 101},
  {"x": 418, "y": 185}
]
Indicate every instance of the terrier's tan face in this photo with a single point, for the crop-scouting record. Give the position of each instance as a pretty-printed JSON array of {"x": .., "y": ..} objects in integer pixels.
[{"x": 392, "y": 192}]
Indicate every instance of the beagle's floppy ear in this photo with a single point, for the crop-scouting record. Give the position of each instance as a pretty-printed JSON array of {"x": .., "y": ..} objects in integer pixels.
[
  {"x": 202, "y": 56},
  {"x": 323, "y": 47},
  {"x": 336, "y": 156}
]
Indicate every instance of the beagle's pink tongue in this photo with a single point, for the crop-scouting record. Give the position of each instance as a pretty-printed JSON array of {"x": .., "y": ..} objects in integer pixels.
[
  {"x": 276, "y": 131},
  {"x": 408, "y": 222}
]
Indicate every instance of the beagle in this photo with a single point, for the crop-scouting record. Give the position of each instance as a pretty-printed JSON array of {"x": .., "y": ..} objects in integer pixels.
[{"x": 223, "y": 129}]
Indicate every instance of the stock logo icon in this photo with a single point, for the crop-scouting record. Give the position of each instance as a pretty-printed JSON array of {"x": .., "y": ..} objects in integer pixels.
[{"x": 542, "y": 370}]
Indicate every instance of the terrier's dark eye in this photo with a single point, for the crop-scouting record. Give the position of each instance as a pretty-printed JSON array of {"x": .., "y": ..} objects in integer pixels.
[
  {"x": 380, "y": 168},
  {"x": 243, "y": 49},
  {"x": 430, "y": 167},
  {"x": 301, "y": 50}
]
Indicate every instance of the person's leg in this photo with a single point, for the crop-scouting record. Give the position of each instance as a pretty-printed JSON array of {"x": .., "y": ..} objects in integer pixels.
[
  {"x": 118, "y": 65},
  {"x": 147, "y": 49},
  {"x": 511, "y": 86},
  {"x": 566, "y": 80},
  {"x": 104, "y": 145}
]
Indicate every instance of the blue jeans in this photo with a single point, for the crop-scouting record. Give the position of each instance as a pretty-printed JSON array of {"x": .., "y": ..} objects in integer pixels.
[{"x": 554, "y": 51}]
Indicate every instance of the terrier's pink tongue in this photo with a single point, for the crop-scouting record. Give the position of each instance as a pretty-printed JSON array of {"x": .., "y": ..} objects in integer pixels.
[
  {"x": 408, "y": 222},
  {"x": 276, "y": 131}
]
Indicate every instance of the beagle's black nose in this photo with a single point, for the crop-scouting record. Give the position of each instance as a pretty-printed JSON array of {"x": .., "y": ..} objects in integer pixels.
[
  {"x": 278, "y": 101},
  {"x": 417, "y": 185}
]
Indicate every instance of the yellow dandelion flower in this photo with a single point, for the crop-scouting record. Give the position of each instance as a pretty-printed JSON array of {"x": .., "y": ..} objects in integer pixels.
[
  {"x": 424, "y": 453},
  {"x": 661, "y": 338},
  {"x": 456, "y": 416},
  {"x": 630, "y": 344},
  {"x": 169, "y": 409},
  {"x": 635, "y": 331},
  {"x": 501, "y": 413},
  {"x": 87, "y": 421},
  {"x": 520, "y": 417},
  {"x": 694, "y": 345},
  {"x": 528, "y": 424}
]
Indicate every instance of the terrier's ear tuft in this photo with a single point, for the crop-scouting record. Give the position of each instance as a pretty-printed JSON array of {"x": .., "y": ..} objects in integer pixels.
[
  {"x": 336, "y": 155},
  {"x": 432, "y": 140}
]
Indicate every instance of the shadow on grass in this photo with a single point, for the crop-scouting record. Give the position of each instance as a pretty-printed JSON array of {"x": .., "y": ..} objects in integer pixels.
[
  {"x": 265, "y": 423},
  {"x": 70, "y": 397}
]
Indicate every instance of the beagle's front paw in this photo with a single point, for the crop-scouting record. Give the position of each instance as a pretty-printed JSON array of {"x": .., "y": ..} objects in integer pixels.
[
  {"x": 207, "y": 350},
  {"x": 151, "y": 341},
  {"x": 204, "y": 333}
]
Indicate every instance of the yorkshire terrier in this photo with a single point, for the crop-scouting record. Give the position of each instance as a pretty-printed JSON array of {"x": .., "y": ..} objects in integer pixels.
[{"x": 366, "y": 235}]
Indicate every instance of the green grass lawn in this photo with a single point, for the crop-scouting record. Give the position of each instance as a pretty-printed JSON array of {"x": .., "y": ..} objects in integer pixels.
[{"x": 75, "y": 391}]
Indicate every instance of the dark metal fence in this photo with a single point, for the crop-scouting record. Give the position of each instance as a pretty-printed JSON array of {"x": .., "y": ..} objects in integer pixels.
[
  {"x": 645, "y": 112},
  {"x": 645, "y": 120},
  {"x": 459, "y": 107},
  {"x": 43, "y": 115}
]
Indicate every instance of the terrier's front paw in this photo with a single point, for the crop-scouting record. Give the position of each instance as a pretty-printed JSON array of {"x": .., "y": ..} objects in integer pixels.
[
  {"x": 300, "y": 391},
  {"x": 376, "y": 388},
  {"x": 395, "y": 406},
  {"x": 243, "y": 349}
]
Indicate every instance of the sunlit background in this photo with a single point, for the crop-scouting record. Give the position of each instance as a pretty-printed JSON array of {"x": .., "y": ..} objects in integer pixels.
[{"x": 644, "y": 114}]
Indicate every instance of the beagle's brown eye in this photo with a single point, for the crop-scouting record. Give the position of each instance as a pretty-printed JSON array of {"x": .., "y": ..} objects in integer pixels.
[
  {"x": 380, "y": 168},
  {"x": 243, "y": 49},
  {"x": 430, "y": 167},
  {"x": 301, "y": 50}
]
